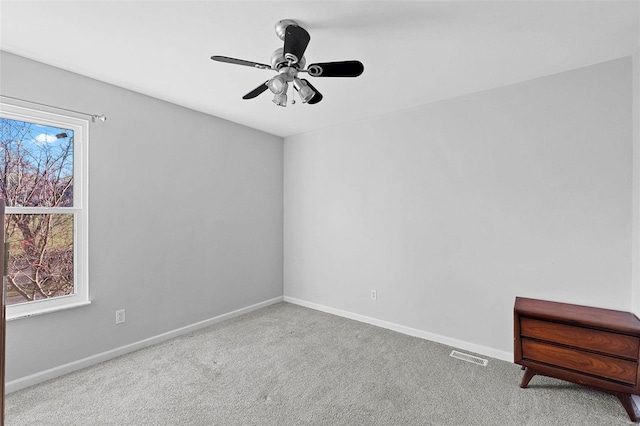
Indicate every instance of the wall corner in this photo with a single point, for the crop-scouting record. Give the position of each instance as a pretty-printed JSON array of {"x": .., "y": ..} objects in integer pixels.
[{"x": 635, "y": 185}]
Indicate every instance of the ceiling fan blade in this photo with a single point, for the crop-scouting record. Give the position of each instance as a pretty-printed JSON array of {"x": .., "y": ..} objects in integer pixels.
[
  {"x": 296, "y": 40},
  {"x": 240, "y": 62},
  {"x": 317, "y": 97},
  {"x": 336, "y": 69},
  {"x": 258, "y": 90}
]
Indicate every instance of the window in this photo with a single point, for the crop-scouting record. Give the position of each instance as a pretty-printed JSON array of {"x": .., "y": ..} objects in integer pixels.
[{"x": 43, "y": 180}]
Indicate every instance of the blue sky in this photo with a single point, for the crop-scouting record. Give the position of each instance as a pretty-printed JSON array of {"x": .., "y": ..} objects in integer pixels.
[
  {"x": 46, "y": 134},
  {"x": 38, "y": 138}
]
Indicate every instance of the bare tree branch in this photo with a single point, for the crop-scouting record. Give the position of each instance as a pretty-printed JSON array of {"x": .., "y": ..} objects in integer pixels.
[{"x": 37, "y": 172}]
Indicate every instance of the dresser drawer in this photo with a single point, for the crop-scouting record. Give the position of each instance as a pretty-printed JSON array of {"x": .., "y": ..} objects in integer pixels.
[
  {"x": 577, "y": 360},
  {"x": 595, "y": 340}
]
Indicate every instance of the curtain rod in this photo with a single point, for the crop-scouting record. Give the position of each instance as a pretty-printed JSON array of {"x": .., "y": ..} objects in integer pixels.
[{"x": 94, "y": 117}]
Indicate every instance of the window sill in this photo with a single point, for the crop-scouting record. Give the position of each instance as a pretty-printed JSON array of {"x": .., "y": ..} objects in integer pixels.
[{"x": 47, "y": 310}]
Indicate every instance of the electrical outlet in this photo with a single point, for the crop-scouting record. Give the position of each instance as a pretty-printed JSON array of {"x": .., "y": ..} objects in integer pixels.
[
  {"x": 374, "y": 295},
  {"x": 120, "y": 318}
]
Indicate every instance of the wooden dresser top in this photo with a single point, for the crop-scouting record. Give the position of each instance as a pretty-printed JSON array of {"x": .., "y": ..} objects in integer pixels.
[{"x": 604, "y": 319}]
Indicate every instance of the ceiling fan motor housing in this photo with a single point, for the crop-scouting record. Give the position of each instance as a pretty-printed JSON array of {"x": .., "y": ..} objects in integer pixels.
[{"x": 278, "y": 60}]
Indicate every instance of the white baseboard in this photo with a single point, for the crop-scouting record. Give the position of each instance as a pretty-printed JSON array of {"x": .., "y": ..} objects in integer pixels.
[
  {"x": 52, "y": 373},
  {"x": 459, "y": 344}
]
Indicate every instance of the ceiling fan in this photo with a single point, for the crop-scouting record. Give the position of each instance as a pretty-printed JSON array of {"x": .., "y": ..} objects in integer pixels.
[{"x": 289, "y": 61}]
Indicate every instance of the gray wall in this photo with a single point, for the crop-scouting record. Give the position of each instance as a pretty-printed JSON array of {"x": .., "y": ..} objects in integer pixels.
[
  {"x": 185, "y": 219},
  {"x": 452, "y": 209}
]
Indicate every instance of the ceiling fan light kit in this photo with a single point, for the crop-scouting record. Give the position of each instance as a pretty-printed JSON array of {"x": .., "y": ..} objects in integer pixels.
[
  {"x": 288, "y": 61},
  {"x": 306, "y": 93}
]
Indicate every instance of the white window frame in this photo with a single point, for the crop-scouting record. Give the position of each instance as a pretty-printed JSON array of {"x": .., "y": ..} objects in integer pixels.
[{"x": 80, "y": 211}]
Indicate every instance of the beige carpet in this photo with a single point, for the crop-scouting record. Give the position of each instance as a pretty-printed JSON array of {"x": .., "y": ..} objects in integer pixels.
[{"x": 288, "y": 365}]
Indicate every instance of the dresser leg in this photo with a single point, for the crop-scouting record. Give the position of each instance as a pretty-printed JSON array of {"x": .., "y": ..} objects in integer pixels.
[
  {"x": 629, "y": 405},
  {"x": 528, "y": 375}
]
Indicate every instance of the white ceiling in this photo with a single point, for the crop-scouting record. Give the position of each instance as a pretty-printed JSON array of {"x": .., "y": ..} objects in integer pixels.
[{"x": 414, "y": 52}]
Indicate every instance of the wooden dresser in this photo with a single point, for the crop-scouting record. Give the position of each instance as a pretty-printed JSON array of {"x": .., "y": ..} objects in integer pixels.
[{"x": 594, "y": 347}]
